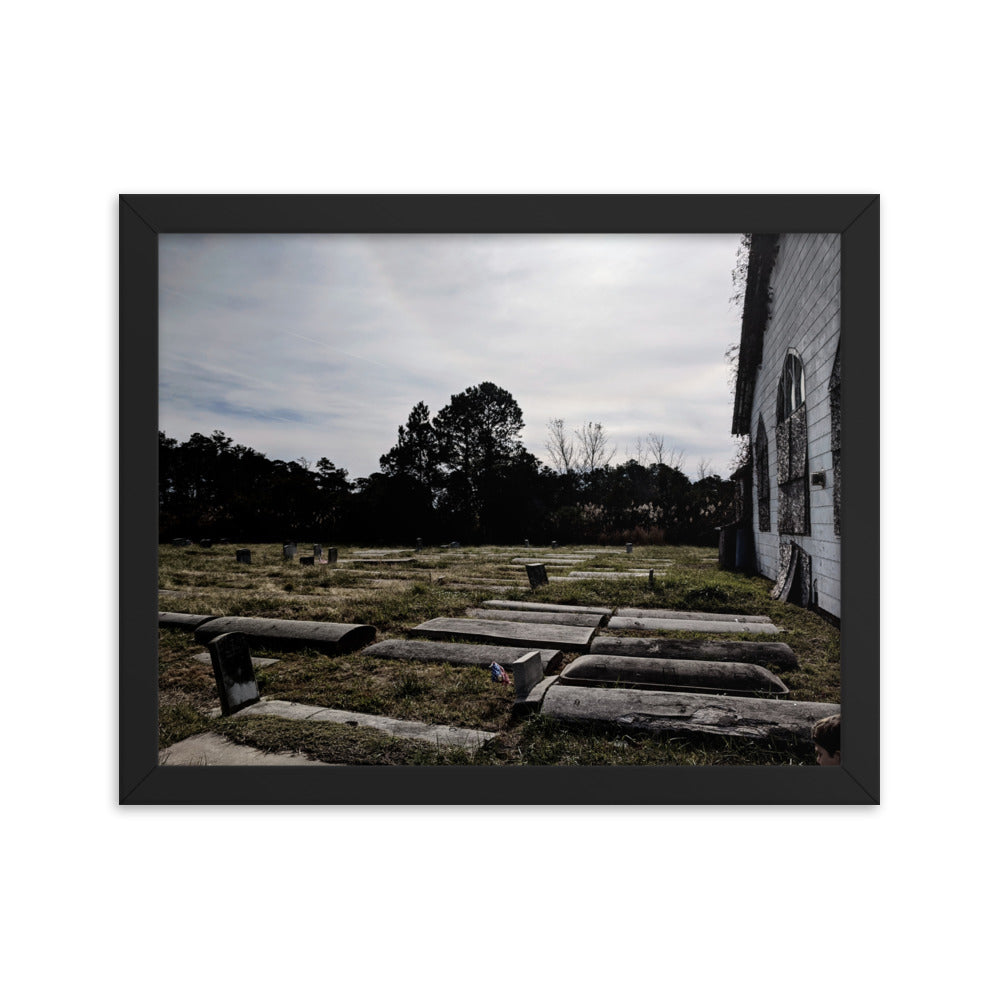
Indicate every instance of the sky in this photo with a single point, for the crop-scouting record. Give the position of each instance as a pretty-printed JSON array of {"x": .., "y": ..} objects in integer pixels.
[{"x": 310, "y": 346}]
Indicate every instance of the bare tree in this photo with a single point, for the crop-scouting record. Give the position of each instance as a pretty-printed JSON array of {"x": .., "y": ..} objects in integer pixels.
[
  {"x": 594, "y": 446},
  {"x": 675, "y": 459},
  {"x": 657, "y": 448},
  {"x": 704, "y": 470},
  {"x": 559, "y": 446},
  {"x": 637, "y": 450}
]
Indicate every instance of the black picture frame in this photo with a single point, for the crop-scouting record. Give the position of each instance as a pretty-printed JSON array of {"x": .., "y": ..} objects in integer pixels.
[{"x": 142, "y": 218}]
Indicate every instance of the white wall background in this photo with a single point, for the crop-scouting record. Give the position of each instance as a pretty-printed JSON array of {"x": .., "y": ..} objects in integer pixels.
[{"x": 541, "y": 97}]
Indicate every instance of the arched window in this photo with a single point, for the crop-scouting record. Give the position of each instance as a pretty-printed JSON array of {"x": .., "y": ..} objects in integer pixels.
[
  {"x": 791, "y": 440},
  {"x": 792, "y": 388},
  {"x": 763, "y": 475}
]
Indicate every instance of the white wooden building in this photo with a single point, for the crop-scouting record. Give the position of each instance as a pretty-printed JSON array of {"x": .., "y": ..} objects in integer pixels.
[{"x": 788, "y": 402}]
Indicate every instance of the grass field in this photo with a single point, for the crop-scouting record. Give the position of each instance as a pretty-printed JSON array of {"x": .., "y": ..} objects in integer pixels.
[{"x": 393, "y": 597}]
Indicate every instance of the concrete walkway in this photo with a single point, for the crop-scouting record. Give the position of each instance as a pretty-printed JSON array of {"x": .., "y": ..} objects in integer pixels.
[{"x": 208, "y": 749}]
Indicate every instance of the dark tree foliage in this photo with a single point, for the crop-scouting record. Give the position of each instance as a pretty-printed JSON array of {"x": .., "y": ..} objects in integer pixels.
[{"x": 462, "y": 475}]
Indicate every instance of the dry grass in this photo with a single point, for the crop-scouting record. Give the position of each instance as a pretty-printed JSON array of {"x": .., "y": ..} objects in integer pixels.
[{"x": 444, "y": 582}]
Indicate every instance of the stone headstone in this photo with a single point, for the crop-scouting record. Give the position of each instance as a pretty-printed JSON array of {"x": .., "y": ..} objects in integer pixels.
[
  {"x": 555, "y": 544},
  {"x": 234, "y": 676},
  {"x": 332, "y": 557},
  {"x": 527, "y": 544},
  {"x": 205, "y": 543},
  {"x": 455, "y": 545},
  {"x": 527, "y": 672},
  {"x": 307, "y": 560},
  {"x": 181, "y": 542},
  {"x": 243, "y": 555},
  {"x": 628, "y": 548},
  {"x": 651, "y": 578},
  {"x": 288, "y": 550},
  {"x": 317, "y": 551},
  {"x": 537, "y": 577},
  {"x": 420, "y": 544}
]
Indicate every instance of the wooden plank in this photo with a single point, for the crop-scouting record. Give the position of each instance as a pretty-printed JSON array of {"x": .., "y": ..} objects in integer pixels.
[
  {"x": 459, "y": 653},
  {"x": 569, "y": 638},
  {"x": 768, "y": 654},
  {"x": 673, "y": 712},
  {"x": 711, "y": 676},
  {"x": 687, "y": 625},
  {"x": 541, "y": 617},
  {"x": 703, "y": 616}
]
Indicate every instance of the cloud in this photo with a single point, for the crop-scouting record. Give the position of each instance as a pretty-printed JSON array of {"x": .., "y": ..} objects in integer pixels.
[{"x": 322, "y": 344}]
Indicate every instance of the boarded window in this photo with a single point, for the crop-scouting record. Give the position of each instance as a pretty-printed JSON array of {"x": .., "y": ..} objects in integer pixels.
[
  {"x": 791, "y": 442},
  {"x": 763, "y": 474}
]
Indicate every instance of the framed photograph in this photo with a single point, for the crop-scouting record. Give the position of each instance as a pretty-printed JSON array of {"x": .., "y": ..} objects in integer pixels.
[{"x": 263, "y": 311}]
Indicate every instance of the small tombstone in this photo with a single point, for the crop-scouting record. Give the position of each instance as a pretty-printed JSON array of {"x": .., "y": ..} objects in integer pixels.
[
  {"x": 233, "y": 668},
  {"x": 455, "y": 545},
  {"x": 182, "y": 541},
  {"x": 307, "y": 560},
  {"x": 205, "y": 543},
  {"x": 528, "y": 671},
  {"x": 420, "y": 545},
  {"x": 628, "y": 548},
  {"x": 317, "y": 551},
  {"x": 555, "y": 544},
  {"x": 294, "y": 546},
  {"x": 537, "y": 577},
  {"x": 332, "y": 557},
  {"x": 527, "y": 544},
  {"x": 243, "y": 556},
  {"x": 287, "y": 550},
  {"x": 651, "y": 578}
]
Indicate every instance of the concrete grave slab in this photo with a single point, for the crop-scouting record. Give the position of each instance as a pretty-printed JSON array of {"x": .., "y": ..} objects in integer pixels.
[
  {"x": 281, "y": 633},
  {"x": 541, "y": 617},
  {"x": 705, "y": 616},
  {"x": 679, "y": 712},
  {"x": 538, "y": 606},
  {"x": 210, "y": 749},
  {"x": 459, "y": 653},
  {"x": 569, "y": 638},
  {"x": 712, "y": 676},
  {"x": 687, "y": 625},
  {"x": 174, "y": 619},
  {"x": 256, "y": 661},
  {"x": 767, "y": 654},
  {"x": 468, "y": 739}
]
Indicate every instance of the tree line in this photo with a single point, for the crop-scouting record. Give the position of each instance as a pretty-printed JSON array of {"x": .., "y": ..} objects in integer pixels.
[{"x": 461, "y": 475}]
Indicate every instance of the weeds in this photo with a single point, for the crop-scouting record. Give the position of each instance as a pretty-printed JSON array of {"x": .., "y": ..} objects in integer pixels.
[{"x": 395, "y": 597}]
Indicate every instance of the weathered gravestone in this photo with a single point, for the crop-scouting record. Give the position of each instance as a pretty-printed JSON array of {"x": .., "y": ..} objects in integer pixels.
[
  {"x": 307, "y": 560},
  {"x": 288, "y": 550},
  {"x": 282, "y": 633},
  {"x": 332, "y": 557},
  {"x": 628, "y": 548},
  {"x": 420, "y": 545},
  {"x": 243, "y": 555},
  {"x": 455, "y": 545},
  {"x": 317, "y": 552},
  {"x": 527, "y": 544},
  {"x": 179, "y": 542},
  {"x": 555, "y": 544},
  {"x": 537, "y": 577},
  {"x": 205, "y": 543},
  {"x": 234, "y": 676}
]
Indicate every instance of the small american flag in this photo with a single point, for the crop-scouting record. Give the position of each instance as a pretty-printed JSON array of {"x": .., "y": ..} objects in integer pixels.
[{"x": 499, "y": 674}]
